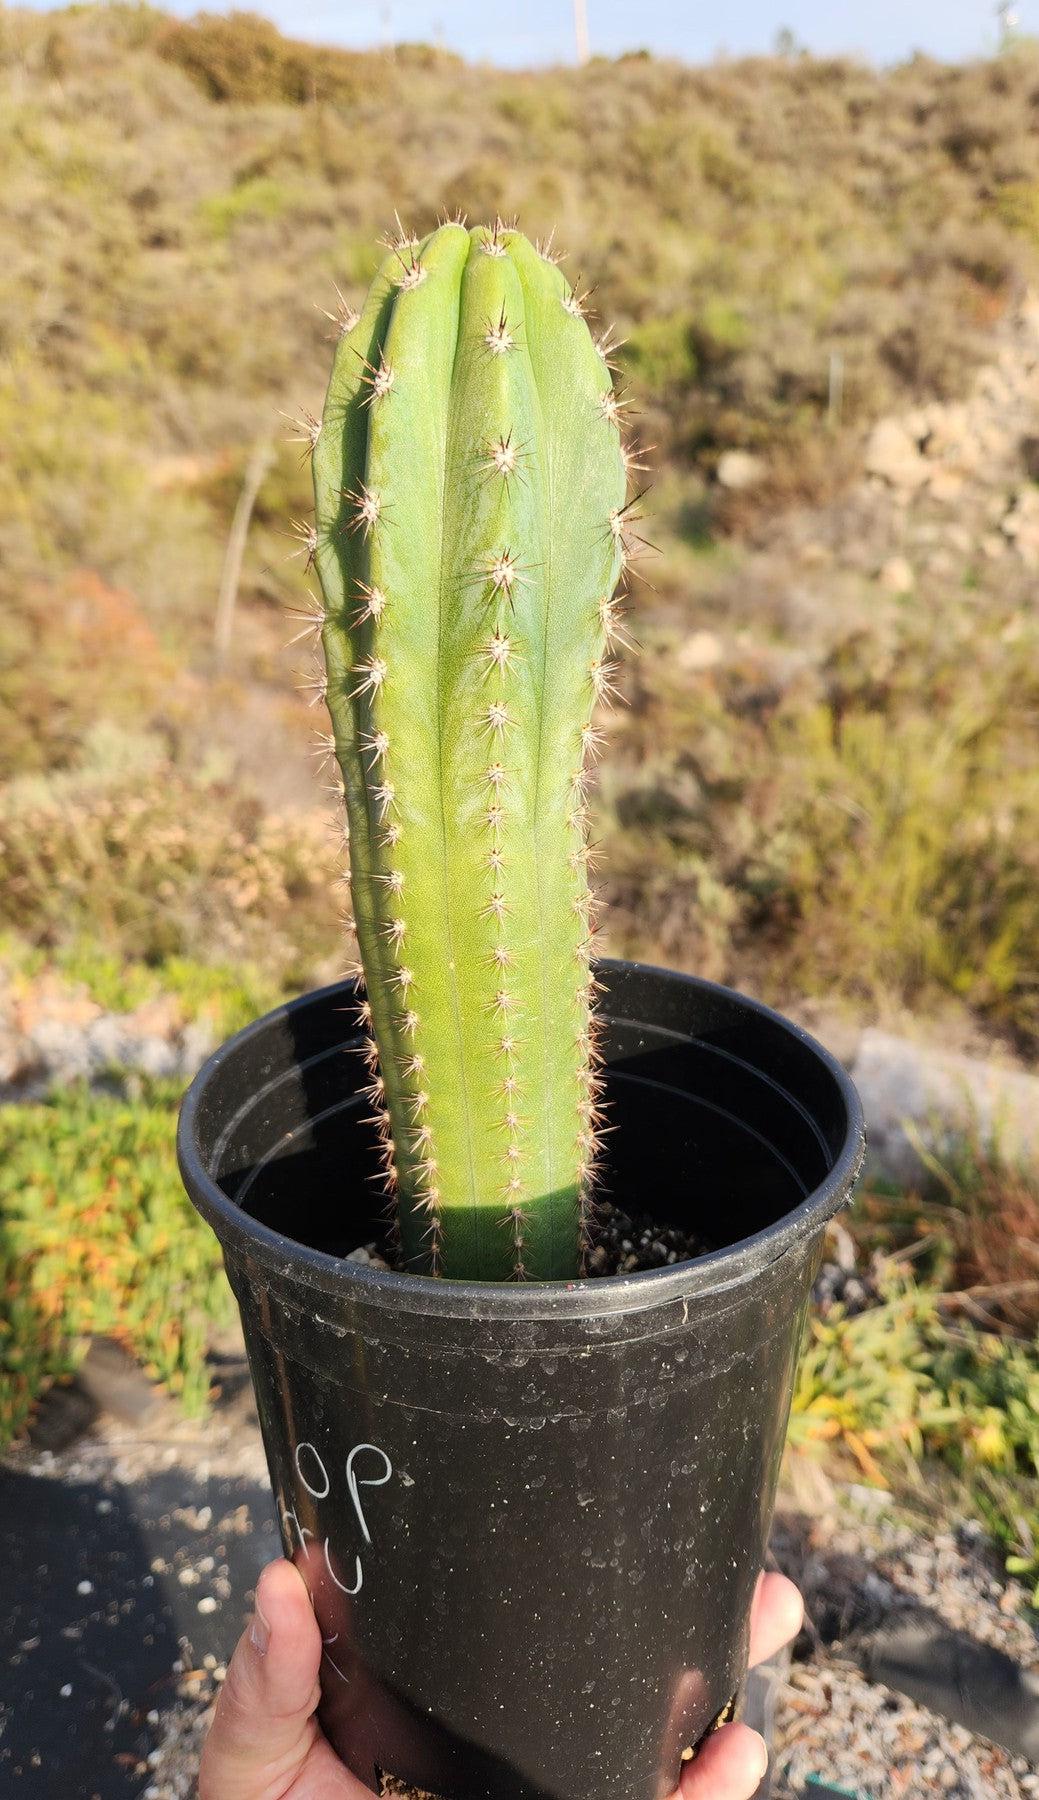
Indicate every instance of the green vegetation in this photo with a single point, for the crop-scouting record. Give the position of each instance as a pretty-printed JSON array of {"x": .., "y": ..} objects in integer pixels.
[
  {"x": 899, "y": 1383},
  {"x": 97, "y": 1237},
  {"x": 470, "y": 531},
  {"x": 943, "y": 1367}
]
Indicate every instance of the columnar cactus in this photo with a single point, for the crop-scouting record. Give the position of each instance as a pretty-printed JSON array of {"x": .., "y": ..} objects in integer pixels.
[{"x": 470, "y": 531}]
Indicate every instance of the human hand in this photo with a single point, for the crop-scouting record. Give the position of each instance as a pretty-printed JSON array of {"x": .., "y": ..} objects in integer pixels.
[{"x": 265, "y": 1742}]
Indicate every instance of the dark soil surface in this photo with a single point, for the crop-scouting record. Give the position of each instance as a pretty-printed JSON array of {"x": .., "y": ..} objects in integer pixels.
[{"x": 624, "y": 1244}]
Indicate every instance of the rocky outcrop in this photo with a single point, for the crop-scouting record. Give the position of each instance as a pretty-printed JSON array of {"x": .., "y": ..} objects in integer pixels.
[
  {"x": 916, "y": 1094},
  {"x": 983, "y": 449},
  {"x": 52, "y": 1032}
]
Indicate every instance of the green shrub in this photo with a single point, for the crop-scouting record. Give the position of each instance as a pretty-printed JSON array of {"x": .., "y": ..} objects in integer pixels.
[
  {"x": 1017, "y": 204},
  {"x": 258, "y": 197},
  {"x": 898, "y": 1383},
  {"x": 97, "y": 1237}
]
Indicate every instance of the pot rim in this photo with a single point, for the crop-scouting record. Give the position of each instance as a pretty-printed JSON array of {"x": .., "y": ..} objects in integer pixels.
[{"x": 587, "y": 1297}]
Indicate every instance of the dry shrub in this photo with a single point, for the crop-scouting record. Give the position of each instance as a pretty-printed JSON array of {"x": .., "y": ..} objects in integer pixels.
[
  {"x": 868, "y": 828},
  {"x": 993, "y": 1219},
  {"x": 242, "y": 57},
  {"x": 61, "y": 644},
  {"x": 158, "y": 863}
]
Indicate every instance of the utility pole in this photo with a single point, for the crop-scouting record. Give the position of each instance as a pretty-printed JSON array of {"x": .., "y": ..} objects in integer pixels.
[
  {"x": 255, "y": 469},
  {"x": 835, "y": 397},
  {"x": 581, "y": 30},
  {"x": 1008, "y": 22}
]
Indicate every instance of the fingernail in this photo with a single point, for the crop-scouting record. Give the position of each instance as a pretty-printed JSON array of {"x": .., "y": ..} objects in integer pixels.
[{"x": 259, "y": 1631}]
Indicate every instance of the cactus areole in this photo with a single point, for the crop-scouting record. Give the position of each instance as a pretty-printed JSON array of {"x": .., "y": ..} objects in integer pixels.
[{"x": 470, "y": 532}]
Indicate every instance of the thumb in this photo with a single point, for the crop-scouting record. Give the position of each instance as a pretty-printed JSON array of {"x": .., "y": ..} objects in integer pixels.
[{"x": 264, "y": 1728}]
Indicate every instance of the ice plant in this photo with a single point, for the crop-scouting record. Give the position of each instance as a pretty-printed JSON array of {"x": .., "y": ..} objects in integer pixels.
[{"x": 470, "y": 532}]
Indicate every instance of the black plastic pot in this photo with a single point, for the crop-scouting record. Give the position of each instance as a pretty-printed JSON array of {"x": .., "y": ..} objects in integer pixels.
[{"x": 531, "y": 1517}]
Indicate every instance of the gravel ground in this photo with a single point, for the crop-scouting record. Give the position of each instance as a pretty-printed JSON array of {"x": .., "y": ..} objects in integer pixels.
[
  {"x": 833, "y": 1722},
  {"x": 864, "y": 1559},
  {"x": 624, "y": 1245},
  {"x": 863, "y": 1564}
]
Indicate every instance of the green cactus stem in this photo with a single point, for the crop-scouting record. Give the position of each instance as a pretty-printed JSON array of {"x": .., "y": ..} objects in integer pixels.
[{"x": 470, "y": 532}]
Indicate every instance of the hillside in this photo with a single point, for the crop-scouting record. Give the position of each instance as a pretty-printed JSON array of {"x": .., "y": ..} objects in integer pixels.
[{"x": 180, "y": 203}]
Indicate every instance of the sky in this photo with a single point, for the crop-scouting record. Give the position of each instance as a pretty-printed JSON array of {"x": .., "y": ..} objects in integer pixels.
[{"x": 541, "y": 31}]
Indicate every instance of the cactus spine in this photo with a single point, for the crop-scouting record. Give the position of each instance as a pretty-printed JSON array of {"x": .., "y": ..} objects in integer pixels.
[{"x": 469, "y": 535}]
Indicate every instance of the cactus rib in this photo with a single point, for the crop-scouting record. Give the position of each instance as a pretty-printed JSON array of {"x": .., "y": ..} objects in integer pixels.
[{"x": 470, "y": 531}]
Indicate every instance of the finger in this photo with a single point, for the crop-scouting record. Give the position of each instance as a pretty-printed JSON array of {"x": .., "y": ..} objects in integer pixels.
[
  {"x": 776, "y": 1617},
  {"x": 730, "y": 1766},
  {"x": 264, "y": 1729}
]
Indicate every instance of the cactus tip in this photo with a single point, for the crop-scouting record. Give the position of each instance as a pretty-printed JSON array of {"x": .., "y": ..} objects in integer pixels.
[
  {"x": 494, "y": 243},
  {"x": 401, "y": 239}
]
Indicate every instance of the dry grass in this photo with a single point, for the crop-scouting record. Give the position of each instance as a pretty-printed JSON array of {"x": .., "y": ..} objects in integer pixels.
[{"x": 175, "y": 199}]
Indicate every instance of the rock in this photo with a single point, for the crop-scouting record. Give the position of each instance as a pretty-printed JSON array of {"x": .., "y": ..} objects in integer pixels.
[
  {"x": 701, "y": 650},
  {"x": 739, "y": 470},
  {"x": 990, "y": 451},
  {"x": 992, "y": 384},
  {"x": 945, "y": 485},
  {"x": 896, "y": 576},
  {"x": 942, "y": 1097},
  {"x": 112, "y": 1042},
  {"x": 1020, "y": 522},
  {"x": 116, "y": 1384},
  {"x": 892, "y": 455}
]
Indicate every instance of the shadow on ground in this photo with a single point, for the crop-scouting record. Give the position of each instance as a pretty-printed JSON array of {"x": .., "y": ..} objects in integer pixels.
[{"x": 107, "y": 1588}]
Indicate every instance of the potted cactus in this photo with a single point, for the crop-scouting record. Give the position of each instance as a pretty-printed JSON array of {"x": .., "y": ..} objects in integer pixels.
[{"x": 530, "y": 1504}]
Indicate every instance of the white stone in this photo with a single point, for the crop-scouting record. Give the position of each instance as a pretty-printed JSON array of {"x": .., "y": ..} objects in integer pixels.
[
  {"x": 701, "y": 650},
  {"x": 738, "y": 470},
  {"x": 892, "y": 455},
  {"x": 896, "y": 576}
]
